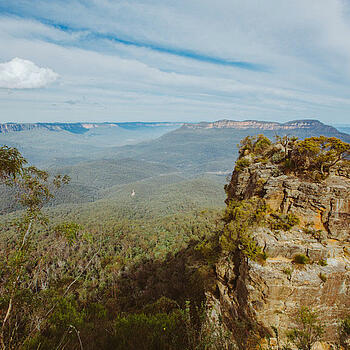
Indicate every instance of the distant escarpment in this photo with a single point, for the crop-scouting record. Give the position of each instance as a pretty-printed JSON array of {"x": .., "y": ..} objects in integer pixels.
[
  {"x": 314, "y": 126},
  {"x": 283, "y": 278},
  {"x": 76, "y": 128}
]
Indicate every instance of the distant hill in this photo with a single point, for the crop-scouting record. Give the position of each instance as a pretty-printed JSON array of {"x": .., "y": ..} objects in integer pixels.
[
  {"x": 212, "y": 147},
  {"x": 45, "y": 144},
  {"x": 107, "y": 161},
  {"x": 80, "y": 128},
  {"x": 307, "y": 124},
  {"x": 345, "y": 128}
]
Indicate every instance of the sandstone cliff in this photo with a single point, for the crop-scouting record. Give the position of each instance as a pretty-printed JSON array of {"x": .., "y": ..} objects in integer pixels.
[
  {"x": 263, "y": 297},
  {"x": 306, "y": 125}
]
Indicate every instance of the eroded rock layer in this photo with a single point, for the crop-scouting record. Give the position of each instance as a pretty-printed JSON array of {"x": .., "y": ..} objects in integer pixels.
[{"x": 266, "y": 295}]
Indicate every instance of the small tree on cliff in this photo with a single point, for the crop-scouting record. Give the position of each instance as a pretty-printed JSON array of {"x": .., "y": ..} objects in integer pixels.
[
  {"x": 308, "y": 331},
  {"x": 318, "y": 155}
]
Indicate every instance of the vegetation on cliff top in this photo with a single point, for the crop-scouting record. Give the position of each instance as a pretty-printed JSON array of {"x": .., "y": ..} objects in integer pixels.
[{"x": 313, "y": 158}]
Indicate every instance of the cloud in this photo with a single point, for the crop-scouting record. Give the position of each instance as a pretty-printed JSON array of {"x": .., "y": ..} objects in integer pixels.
[
  {"x": 183, "y": 60},
  {"x": 24, "y": 74}
]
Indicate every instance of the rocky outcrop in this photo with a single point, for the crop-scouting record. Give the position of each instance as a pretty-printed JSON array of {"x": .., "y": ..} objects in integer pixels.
[
  {"x": 325, "y": 205},
  {"x": 268, "y": 294}
]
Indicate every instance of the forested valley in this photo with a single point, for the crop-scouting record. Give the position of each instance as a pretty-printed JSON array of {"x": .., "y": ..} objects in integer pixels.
[{"x": 117, "y": 253}]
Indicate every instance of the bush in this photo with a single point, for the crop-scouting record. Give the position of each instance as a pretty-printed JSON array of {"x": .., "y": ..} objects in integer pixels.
[
  {"x": 322, "y": 262},
  {"x": 323, "y": 277},
  {"x": 158, "y": 331},
  {"x": 345, "y": 326},
  {"x": 283, "y": 221},
  {"x": 277, "y": 157},
  {"x": 309, "y": 330},
  {"x": 240, "y": 218},
  {"x": 262, "y": 257},
  {"x": 301, "y": 259},
  {"x": 316, "y": 234},
  {"x": 241, "y": 164},
  {"x": 287, "y": 271}
]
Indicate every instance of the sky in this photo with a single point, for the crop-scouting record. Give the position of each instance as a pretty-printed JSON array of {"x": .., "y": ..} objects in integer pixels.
[{"x": 174, "y": 60}]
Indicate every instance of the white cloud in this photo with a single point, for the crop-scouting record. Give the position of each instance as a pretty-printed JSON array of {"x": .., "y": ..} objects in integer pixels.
[
  {"x": 24, "y": 74},
  {"x": 303, "y": 44}
]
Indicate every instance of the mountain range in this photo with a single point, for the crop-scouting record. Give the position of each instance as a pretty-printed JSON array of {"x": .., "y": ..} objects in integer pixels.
[{"x": 80, "y": 128}]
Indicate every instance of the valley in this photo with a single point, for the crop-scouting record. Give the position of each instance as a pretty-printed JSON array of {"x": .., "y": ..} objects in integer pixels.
[{"x": 137, "y": 237}]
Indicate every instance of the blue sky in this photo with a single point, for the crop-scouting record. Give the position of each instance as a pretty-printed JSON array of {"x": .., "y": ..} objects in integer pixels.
[{"x": 183, "y": 60}]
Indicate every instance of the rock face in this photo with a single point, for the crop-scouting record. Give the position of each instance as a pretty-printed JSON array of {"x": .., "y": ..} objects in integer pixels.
[
  {"x": 78, "y": 128},
  {"x": 312, "y": 125},
  {"x": 269, "y": 294}
]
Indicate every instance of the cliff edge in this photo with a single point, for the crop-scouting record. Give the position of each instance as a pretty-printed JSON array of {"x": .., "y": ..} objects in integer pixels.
[{"x": 293, "y": 249}]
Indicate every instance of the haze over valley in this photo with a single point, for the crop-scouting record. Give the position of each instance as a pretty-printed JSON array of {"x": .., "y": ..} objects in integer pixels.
[{"x": 174, "y": 175}]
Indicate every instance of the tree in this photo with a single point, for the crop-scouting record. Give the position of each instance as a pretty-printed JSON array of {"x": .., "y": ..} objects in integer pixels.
[
  {"x": 287, "y": 143},
  {"x": 317, "y": 156},
  {"x": 33, "y": 186},
  {"x": 308, "y": 331}
]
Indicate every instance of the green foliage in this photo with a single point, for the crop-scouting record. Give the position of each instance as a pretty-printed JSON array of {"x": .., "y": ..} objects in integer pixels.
[
  {"x": 309, "y": 329},
  {"x": 316, "y": 234},
  {"x": 69, "y": 230},
  {"x": 152, "y": 331},
  {"x": 288, "y": 271},
  {"x": 312, "y": 158},
  {"x": 240, "y": 218},
  {"x": 262, "y": 257},
  {"x": 322, "y": 262},
  {"x": 11, "y": 163},
  {"x": 141, "y": 262},
  {"x": 255, "y": 145},
  {"x": 344, "y": 332},
  {"x": 316, "y": 156},
  {"x": 323, "y": 277},
  {"x": 301, "y": 259},
  {"x": 241, "y": 164},
  {"x": 162, "y": 305},
  {"x": 283, "y": 221},
  {"x": 345, "y": 326},
  {"x": 33, "y": 186},
  {"x": 210, "y": 249}
]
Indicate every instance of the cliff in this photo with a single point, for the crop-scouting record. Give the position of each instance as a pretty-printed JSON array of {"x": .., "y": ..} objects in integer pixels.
[
  {"x": 259, "y": 298},
  {"x": 78, "y": 128},
  {"x": 308, "y": 126}
]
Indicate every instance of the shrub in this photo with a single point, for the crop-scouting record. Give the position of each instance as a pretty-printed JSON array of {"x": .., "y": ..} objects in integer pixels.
[
  {"x": 345, "y": 326},
  {"x": 256, "y": 145},
  {"x": 323, "y": 277},
  {"x": 309, "y": 330},
  {"x": 316, "y": 234},
  {"x": 162, "y": 305},
  {"x": 69, "y": 230},
  {"x": 262, "y": 257},
  {"x": 242, "y": 164},
  {"x": 301, "y": 259},
  {"x": 158, "y": 331},
  {"x": 209, "y": 249},
  {"x": 240, "y": 217},
  {"x": 288, "y": 272},
  {"x": 314, "y": 157},
  {"x": 277, "y": 157},
  {"x": 322, "y": 262},
  {"x": 344, "y": 332},
  {"x": 283, "y": 221}
]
